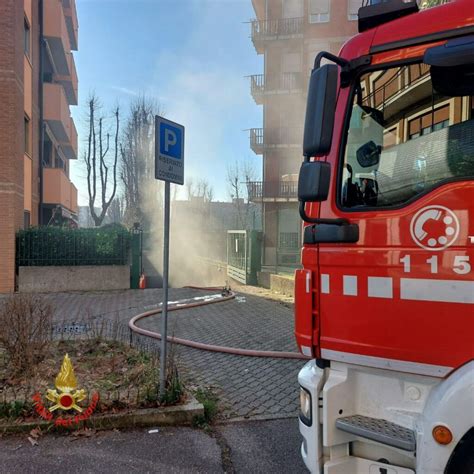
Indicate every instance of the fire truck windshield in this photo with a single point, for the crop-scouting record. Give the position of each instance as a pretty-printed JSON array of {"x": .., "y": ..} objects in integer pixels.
[{"x": 404, "y": 138}]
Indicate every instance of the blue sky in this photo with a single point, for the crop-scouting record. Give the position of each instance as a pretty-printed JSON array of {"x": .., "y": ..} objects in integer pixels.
[{"x": 189, "y": 55}]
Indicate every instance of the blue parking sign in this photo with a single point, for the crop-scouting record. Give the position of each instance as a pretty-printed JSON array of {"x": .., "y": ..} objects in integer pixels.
[{"x": 169, "y": 151}]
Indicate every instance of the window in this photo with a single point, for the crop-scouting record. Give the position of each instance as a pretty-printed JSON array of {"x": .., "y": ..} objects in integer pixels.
[
  {"x": 26, "y": 219},
  {"x": 27, "y": 132},
  {"x": 318, "y": 11},
  {"x": 429, "y": 122},
  {"x": 292, "y": 8},
  {"x": 26, "y": 38},
  {"x": 403, "y": 139},
  {"x": 353, "y": 9}
]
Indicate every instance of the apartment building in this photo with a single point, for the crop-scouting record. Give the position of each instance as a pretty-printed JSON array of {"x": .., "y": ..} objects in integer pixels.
[
  {"x": 289, "y": 34},
  {"x": 38, "y": 83}
]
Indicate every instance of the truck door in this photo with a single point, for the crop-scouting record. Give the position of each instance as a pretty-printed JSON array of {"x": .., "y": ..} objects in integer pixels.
[{"x": 401, "y": 297}]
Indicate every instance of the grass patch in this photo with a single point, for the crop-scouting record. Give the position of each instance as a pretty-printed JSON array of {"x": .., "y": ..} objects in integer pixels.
[
  {"x": 209, "y": 400},
  {"x": 124, "y": 377},
  {"x": 15, "y": 409}
]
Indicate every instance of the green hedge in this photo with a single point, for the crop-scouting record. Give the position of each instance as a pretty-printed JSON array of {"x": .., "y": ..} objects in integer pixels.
[{"x": 45, "y": 246}]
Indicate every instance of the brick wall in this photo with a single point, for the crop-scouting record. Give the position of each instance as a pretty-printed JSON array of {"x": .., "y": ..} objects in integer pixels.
[{"x": 11, "y": 136}]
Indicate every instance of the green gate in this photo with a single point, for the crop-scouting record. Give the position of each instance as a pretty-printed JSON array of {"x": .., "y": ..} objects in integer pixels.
[{"x": 244, "y": 255}]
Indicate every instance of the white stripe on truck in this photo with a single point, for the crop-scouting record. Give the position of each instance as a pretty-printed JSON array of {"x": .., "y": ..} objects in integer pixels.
[
  {"x": 448, "y": 291},
  {"x": 416, "y": 289}
]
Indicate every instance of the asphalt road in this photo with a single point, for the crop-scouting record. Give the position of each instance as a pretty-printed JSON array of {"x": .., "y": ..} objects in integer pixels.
[{"x": 240, "y": 447}]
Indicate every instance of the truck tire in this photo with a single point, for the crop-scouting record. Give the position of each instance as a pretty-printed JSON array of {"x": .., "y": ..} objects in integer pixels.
[{"x": 462, "y": 459}]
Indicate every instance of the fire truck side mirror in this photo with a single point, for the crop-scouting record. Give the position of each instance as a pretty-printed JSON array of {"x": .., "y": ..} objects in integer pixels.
[
  {"x": 452, "y": 66},
  {"x": 313, "y": 181},
  {"x": 320, "y": 111}
]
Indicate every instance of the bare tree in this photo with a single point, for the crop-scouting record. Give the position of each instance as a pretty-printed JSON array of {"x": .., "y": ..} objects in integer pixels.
[
  {"x": 98, "y": 163},
  {"x": 137, "y": 159},
  {"x": 115, "y": 212},
  {"x": 200, "y": 189},
  {"x": 189, "y": 188},
  {"x": 238, "y": 178}
]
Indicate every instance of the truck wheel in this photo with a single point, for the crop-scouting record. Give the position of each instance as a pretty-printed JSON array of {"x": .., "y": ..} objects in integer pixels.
[{"x": 462, "y": 459}]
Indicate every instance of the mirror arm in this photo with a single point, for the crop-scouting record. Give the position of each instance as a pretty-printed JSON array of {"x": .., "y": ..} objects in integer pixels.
[
  {"x": 335, "y": 59},
  {"x": 348, "y": 68},
  {"x": 314, "y": 220}
]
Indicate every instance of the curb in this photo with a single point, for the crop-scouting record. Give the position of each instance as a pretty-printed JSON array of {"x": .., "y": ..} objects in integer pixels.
[
  {"x": 246, "y": 419},
  {"x": 141, "y": 418}
]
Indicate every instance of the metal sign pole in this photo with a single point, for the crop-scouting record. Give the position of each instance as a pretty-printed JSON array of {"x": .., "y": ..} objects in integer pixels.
[
  {"x": 164, "y": 314},
  {"x": 169, "y": 167}
]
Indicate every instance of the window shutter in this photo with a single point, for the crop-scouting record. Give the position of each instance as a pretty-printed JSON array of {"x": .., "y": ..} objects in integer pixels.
[{"x": 319, "y": 7}]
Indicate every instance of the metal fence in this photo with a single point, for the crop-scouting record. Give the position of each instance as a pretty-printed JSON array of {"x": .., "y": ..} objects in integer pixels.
[
  {"x": 289, "y": 241},
  {"x": 272, "y": 29},
  {"x": 46, "y": 246},
  {"x": 285, "y": 81},
  {"x": 272, "y": 189},
  {"x": 244, "y": 255},
  {"x": 17, "y": 400}
]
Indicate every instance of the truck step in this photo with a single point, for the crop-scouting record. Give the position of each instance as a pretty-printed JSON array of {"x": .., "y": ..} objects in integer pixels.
[{"x": 379, "y": 430}]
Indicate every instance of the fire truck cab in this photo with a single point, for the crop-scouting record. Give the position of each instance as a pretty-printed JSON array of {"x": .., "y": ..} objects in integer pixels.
[{"x": 384, "y": 302}]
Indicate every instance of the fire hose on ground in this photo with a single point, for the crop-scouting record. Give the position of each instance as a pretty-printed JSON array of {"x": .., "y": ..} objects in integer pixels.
[{"x": 226, "y": 295}]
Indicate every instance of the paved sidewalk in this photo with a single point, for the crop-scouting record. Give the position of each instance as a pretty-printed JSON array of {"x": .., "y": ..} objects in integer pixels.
[
  {"x": 248, "y": 386},
  {"x": 250, "y": 447}
]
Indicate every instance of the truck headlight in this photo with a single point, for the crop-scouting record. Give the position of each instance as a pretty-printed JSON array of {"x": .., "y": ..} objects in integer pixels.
[{"x": 305, "y": 407}]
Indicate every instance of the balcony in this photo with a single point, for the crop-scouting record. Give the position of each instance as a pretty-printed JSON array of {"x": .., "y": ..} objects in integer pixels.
[
  {"x": 275, "y": 84},
  {"x": 69, "y": 147},
  {"x": 285, "y": 190},
  {"x": 69, "y": 82},
  {"x": 70, "y": 13},
  {"x": 270, "y": 138},
  {"x": 56, "y": 112},
  {"x": 58, "y": 189},
  {"x": 272, "y": 30},
  {"x": 57, "y": 36}
]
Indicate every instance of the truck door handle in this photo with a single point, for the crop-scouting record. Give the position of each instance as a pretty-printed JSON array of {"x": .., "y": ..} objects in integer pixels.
[{"x": 324, "y": 233}]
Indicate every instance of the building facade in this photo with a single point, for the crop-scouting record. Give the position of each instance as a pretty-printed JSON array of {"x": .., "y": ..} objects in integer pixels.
[
  {"x": 38, "y": 83},
  {"x": 289, "y": 34}
]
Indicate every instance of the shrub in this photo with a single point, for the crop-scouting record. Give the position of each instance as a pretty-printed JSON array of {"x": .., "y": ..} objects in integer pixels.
[
  {"x": 26, "y": 323},
  {"x": 40, "y": 246}
]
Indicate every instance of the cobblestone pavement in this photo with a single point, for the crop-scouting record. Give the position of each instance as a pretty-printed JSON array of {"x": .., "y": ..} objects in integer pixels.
[{"x": 248, "y": 386}]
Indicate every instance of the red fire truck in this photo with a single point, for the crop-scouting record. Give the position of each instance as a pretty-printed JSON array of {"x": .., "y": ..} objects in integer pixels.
[{"x": 385, "y": 297}]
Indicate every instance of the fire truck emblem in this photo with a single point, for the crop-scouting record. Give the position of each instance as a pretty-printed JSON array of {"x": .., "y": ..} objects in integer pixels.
[
  {"x": 66, "y": 396},
  {"x": 434, "y": 228}
]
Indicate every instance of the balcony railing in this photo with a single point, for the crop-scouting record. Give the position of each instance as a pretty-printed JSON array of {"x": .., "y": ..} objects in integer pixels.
[
  {"x": 284, "y": 83},
  {"x": 264, "y": 30},
  {"x": 58, "y": 189},
  {"x": 69, "y": 81},
  {"x": 56, "y": 112},
  {"x": 56, "y": 35},
  {"x": 258, "y": 190},
  {"x": 70, "y": 13},
  {"x": 275, "y": 137},
  {"x": 69, "y": 147}
]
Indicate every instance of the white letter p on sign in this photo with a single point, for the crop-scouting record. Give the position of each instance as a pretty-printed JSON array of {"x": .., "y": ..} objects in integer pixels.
[{"x": 170, "y": 138}]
